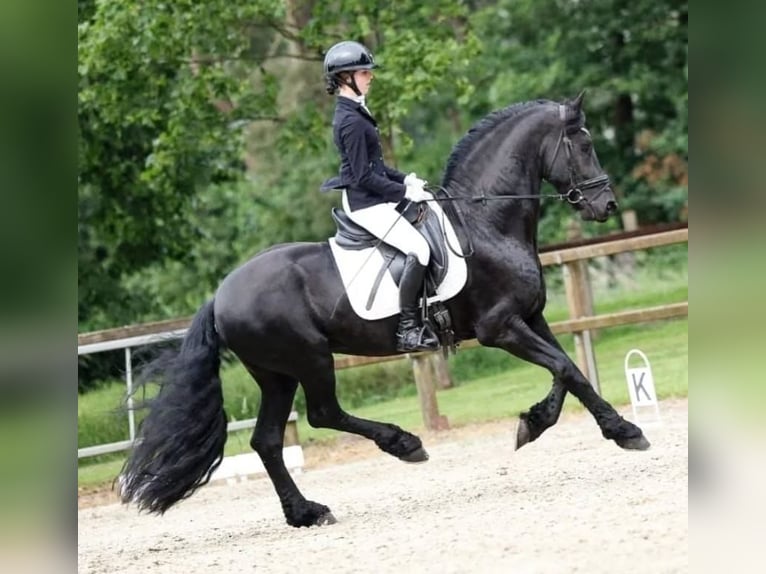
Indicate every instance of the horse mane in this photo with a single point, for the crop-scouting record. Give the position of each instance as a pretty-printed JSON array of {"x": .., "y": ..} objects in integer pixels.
[{"x": 477, "y": 132}]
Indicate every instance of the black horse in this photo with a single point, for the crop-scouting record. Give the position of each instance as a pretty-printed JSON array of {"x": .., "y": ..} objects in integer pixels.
[{"x": 279, "y": 314}]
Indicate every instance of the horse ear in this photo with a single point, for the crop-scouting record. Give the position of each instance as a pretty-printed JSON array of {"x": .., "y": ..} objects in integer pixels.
[{"x": 577, "y": 102}]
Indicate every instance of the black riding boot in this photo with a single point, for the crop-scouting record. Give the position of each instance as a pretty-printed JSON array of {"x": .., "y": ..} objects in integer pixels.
[{"x": 411, "y": 335}]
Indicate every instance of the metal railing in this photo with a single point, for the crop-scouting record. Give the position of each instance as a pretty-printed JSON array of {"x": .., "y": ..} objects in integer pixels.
[
  {"x": 581, "y": 321},
  {"x": 127, "y": 344}
]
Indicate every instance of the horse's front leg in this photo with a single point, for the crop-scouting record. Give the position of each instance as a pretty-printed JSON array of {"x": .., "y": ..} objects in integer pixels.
[
  {"x": 323, "y": 410},
  {"x": 517, "y": 337},
  {"x": 544, "y": 414},
  {"x": 541, "y": 416}
]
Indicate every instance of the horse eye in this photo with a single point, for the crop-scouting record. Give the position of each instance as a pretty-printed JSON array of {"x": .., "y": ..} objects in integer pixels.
[{"x": 586, "y": 147}]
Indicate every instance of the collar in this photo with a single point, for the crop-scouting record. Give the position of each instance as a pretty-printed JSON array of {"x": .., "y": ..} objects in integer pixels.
[
  {"x": 357, "y": 104},
  {"x": 357, "y": 99}
]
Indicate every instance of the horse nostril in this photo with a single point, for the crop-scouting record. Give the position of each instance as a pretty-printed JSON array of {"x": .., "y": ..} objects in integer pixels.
[{"x": 611, "y": 206}]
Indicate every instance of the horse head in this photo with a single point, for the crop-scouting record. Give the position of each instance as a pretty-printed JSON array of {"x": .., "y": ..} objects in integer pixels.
[{"x": 573, "y": 168}]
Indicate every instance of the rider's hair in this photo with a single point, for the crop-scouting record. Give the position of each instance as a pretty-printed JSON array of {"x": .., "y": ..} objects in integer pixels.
[
  {"x": 334, "y": 81},
  {"x": 331, "y": 84}
]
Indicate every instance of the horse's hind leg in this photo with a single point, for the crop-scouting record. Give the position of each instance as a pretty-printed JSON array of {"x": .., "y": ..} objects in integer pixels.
[
  {"x": 277, "y": 393},
  {"x": 323, "y": 410},
  {"x": 519, "y": 339}
]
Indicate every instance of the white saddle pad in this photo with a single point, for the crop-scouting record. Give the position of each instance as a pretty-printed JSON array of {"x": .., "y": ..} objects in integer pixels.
[{"x": 358, "y": 270}]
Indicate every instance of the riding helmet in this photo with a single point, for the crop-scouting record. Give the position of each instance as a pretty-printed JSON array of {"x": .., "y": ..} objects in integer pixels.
[{"x": 347, "y": 56}]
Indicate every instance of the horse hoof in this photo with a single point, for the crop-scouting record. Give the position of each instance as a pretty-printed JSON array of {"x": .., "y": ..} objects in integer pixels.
[
  {"x": 417, "y": 455},
  {"x": 635, "y": 443},
  {"x": 326, "y": 519},
  {"x": 523, "y": 436}
]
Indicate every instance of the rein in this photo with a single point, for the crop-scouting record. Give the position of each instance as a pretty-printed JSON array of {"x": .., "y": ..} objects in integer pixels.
[{"x": 573, "y": 195}]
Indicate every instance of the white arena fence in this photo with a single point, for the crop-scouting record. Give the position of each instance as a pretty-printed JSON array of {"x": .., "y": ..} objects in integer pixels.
[
  {"x": 571, "y": 257},
  {"x": 232, "y": 466}
]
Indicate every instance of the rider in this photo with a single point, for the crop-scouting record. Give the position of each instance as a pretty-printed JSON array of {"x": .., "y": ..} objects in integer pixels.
[{"x": 372, "y": 189}]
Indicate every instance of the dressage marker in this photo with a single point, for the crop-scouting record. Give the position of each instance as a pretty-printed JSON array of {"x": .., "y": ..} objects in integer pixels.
[{"x": 643, "y": 396}]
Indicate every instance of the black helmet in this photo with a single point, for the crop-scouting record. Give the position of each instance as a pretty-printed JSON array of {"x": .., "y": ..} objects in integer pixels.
[{"x": 347, "y": 56}]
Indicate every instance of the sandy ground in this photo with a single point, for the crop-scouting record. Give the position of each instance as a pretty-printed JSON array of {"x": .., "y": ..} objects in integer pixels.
[{"x": 569, "y": 502}]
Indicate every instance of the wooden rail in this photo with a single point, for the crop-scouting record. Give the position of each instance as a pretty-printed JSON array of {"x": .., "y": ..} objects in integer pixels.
[
  {"x": 613, "y": 247},
  {"x": 428, "y": 367},
  {"x": 579, "y": 241},
  {"x": 130, "y": 331},
  {"x": 658, "y": 313},
  {"x": 603, "y": 246},
  {"x": 291, "y": 437}
]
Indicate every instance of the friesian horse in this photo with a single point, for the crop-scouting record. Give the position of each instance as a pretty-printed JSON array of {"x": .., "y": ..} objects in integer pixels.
[{"x": 283, "y": 313}]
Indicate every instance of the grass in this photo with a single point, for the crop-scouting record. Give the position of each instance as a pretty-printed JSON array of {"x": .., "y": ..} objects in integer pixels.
[
  {"x": 507, "y": 394},
  {"x": 490, "y": 384},
  {"x": 502, "y": 395}
]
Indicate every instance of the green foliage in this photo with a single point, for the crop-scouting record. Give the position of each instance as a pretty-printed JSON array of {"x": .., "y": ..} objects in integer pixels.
[
  {"x": 100, "y": 416},
  {"x": 204, "y": 129},
  {"x": 631, "y": 57},
  {"x": 479, "y": 362},
  {"x": 373, "y": 383},
  {"x": 153, "y": 80},
  {"x": 169, "y": 100}
]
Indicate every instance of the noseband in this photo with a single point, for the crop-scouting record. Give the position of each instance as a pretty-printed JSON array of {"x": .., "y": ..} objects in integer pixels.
[{"x": 574, "y": 194}]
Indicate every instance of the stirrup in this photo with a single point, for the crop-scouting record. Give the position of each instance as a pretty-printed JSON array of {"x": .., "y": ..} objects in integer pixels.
[{"x": 426, "y": 340}]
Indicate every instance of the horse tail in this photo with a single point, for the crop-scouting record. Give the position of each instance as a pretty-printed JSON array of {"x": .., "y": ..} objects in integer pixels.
[{"x": 180, "y": 442}]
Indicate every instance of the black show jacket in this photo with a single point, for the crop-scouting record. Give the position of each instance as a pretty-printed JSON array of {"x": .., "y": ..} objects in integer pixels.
[{"x": 368, "y": 181}]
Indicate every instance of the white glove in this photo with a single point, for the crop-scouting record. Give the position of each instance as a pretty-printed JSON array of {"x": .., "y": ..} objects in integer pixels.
[
  {"x": 412, "y": 178},
  {"x": 415, "y": 192}
]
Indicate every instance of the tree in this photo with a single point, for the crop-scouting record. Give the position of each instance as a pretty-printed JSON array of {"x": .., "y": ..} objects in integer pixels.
[
  {"x": 631, "y": 57},
  {"x": 204, "y": 129},
  {"x": 207, "y": 122},
  {"x": 162, "y": 99},
  {"x": 178, "y": 102}
]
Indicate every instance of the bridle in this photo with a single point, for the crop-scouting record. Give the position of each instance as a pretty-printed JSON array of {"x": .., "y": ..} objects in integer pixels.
[{"x": 575, "y": 193}]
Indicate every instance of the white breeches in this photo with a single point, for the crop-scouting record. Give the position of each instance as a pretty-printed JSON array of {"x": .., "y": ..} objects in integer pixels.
[{"x": 385, "y": 223}]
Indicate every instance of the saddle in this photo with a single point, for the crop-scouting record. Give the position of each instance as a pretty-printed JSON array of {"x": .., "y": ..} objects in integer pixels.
[
  {"x": 353, "y": 237},
  {"x": 371, "y": 270}
]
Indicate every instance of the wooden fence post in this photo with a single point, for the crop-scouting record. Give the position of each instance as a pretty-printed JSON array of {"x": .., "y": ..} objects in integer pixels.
[
  {"x": 626, "y": 262},
  {"x": 580, "y": 302},
  {"x": 442, "y": 375},
  {"x": 425, "y": 382}
]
